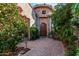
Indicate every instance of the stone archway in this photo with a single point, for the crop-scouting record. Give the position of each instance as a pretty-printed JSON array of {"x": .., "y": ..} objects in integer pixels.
[{"x": 43, "y": 29}]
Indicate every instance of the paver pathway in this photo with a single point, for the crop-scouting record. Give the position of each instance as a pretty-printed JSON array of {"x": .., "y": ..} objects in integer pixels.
[{"x": 45, "y": 47}]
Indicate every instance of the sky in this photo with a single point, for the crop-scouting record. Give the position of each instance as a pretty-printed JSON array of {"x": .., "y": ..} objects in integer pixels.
[{"x": 53, "y": 4}]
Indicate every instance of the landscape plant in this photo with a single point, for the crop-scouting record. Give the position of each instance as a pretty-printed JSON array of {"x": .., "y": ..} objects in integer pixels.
[
  {"x": 12, "y": 27},
  {"x": 62, "y": 21},
  {"x": 34, "y": 33}
]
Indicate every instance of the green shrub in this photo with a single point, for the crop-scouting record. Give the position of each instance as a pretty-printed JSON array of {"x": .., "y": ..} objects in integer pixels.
[
  {"x": 54, "y": 35},
  {"x": 71, "y": 50},
  {"x": 63, "y": 26},
  {"x": 13, "y": 28},
  {"x": 77, "y": 52},
  {"x": 34, "y": 33}
]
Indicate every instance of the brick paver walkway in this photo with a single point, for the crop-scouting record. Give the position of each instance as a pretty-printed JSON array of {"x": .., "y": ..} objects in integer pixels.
[{"x": 45, "y": 47}]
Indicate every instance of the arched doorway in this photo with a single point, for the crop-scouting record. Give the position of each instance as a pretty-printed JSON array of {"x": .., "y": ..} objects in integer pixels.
[{"x": 43, "y": 29}]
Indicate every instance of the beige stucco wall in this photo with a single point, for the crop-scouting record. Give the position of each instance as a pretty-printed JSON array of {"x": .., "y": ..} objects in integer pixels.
[
  {"x": 27, "y": 11},
  {"x": 39, "y": 12}
]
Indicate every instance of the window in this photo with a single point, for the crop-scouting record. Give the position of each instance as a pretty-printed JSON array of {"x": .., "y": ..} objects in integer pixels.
[{"x": 44, "y": 12}]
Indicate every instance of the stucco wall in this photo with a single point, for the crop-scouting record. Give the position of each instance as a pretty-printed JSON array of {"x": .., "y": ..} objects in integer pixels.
[
  {"x": 27, "y": 11},
  {"x": 39, "y": 12}
]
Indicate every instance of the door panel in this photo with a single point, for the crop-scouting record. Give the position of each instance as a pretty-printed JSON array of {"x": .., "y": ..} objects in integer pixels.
[{"x": 43, "y": 29}]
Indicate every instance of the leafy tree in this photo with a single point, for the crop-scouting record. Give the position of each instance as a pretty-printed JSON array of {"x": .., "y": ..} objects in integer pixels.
[
  {"x": 12, "y": 27},
  {"x": 75, "y": 11},
  {"x": 63, "y": 26}
]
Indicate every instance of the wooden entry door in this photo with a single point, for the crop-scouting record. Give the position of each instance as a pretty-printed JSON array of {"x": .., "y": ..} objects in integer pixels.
[{"x": 43, "y": 29}]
